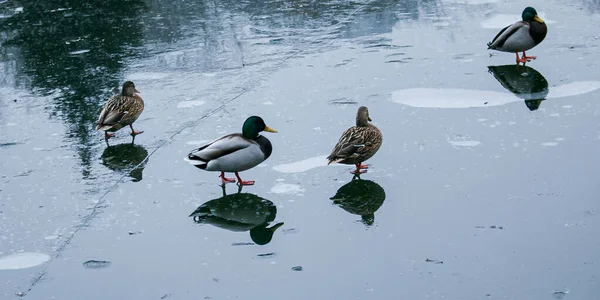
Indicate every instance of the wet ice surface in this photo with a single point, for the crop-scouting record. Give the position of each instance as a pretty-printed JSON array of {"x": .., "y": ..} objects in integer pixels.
[
  {"x": 516, "y": 152},
  {"x": 191, "y": 103},
  {"x": 465, "y": 143},
  {"x": 303, "y": 165},
  {"x": 141, "y": 76}
]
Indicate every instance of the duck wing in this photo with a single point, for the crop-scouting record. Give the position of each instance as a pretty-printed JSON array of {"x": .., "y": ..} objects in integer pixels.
[
  {"x": 350, "y": 143},
  {"x": 115, "y": 110},
  {"x": 132, "y": 109},
  {"x": 109, "y": 118},
  {"x": 218, "y": 148},
  {"x": 505, "y": 33}
]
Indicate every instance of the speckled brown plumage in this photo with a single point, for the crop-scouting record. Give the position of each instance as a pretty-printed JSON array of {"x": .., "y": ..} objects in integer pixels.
[
  {"x": 358, "y": 143},
  {"x": 121, "y": 110}
]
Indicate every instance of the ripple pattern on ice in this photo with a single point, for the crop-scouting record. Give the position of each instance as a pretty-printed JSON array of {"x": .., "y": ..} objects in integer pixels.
[
  {"x": 23, "y": 260},
  {"x": 286, "y": 188}
]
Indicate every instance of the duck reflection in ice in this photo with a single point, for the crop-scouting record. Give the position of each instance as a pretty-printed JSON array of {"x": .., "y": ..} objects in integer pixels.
[
  {"x": 523, "y": 81},
  {"x": 240, "y": 212},
  {"x": 360, "y": 197},
  {"x": 127, "y": 157}
]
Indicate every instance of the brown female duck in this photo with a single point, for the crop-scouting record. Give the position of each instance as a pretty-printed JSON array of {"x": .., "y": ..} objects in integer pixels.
[
  {"x": 358, "y": 143},
  {"x": 121, "y": 110}
]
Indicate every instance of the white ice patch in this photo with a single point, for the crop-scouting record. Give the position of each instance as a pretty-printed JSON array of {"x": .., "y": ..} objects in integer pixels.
[
  {"x": 573, "y": 89},
  {"x": 451, "y": 98},
  {"x": 464, "y": 98},
  {"x": 23, "y": 260},
  {"x": 501, "y": 20},
  {"x": 303, "y": 165},
  {"x": 550, "y": 144},
  {"x": 286, "y": 188},
  {"x": 79, "y": 52},
  {"x": 465, "y": 143},
  {"x": 187, "y": 104}
]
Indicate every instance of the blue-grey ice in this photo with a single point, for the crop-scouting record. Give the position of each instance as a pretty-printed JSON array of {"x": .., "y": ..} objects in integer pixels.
[
  {"x": 191, "y": 103},
  {"x": 141, "y": 76},
  {"x": 302, "y": 165},
  {"x": 465, "y": 143}
]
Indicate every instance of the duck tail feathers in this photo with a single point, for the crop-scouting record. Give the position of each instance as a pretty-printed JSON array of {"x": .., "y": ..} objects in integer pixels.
[
  {"x": 334, "y": 161},
  {"x": 196, "y": 161}
]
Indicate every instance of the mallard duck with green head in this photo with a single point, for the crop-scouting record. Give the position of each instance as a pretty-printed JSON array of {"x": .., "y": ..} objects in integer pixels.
[
  {"x": 121, "y": 110},
  {"x": 358, "y": 143},
  {"x": 235, "y": 152},
  {"x": 521, "y": 36}
]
